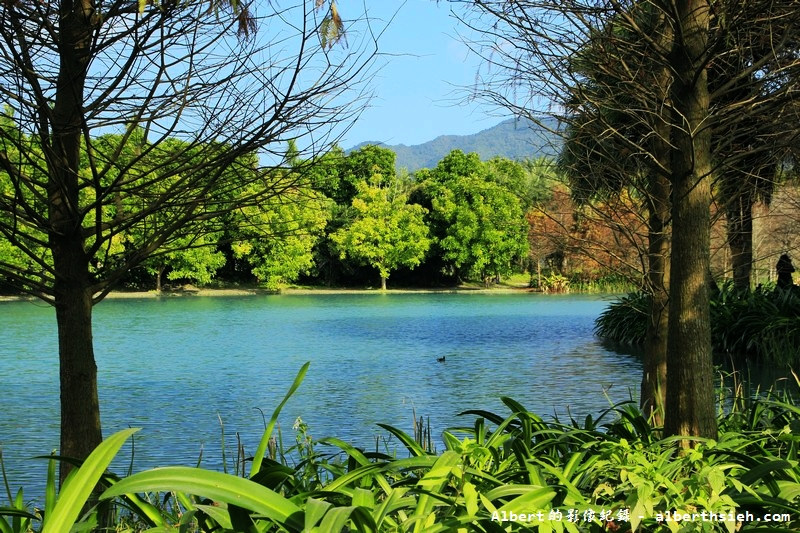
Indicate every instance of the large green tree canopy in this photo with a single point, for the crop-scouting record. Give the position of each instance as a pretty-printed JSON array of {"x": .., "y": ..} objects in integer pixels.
[
  {"x": 478, "y": 221},
  {"x": 387, "y": 232}
]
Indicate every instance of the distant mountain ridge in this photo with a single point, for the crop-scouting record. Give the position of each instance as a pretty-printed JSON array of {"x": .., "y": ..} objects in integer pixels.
[{"x": 512, "y": 138}]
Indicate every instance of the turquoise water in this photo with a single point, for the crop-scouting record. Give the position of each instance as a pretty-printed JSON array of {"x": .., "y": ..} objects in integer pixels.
[{"x": 176, "y": 366}]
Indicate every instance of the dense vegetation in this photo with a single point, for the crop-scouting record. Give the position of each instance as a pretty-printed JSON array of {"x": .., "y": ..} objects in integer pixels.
[
  {"x": 762, "y": 325},
  {"x": 334, "y": 220},
  {"x": 509, "y": 472}
]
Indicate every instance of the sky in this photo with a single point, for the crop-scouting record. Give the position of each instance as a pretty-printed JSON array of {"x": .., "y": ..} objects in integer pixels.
[{"x": 423, "y": 73}]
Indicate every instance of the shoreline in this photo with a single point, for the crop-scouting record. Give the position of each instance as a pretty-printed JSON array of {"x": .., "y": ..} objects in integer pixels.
[{"x": 225, "y": 292}]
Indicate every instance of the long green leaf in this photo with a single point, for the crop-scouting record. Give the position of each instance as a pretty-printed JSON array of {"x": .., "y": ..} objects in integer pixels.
[
  {"x": 226, "y": 488},
  {"x": 410, "y": 444},
  {"x": 218, "y": 514},
  {"x": 530, "y": 501},
  {"x": 262, "y": 446},
  {"x": 50, "y": 487},
  {"x": 433, "y": 481},
  {"x": 335, "y": 519},
  {"x": 79, "y": 486}
]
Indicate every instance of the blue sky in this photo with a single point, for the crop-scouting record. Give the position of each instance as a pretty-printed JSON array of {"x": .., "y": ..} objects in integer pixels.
[{"x": 420, "y": 87}]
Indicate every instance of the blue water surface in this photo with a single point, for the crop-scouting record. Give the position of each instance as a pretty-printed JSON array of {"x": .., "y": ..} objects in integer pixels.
[{"x": 176, "y": 367}]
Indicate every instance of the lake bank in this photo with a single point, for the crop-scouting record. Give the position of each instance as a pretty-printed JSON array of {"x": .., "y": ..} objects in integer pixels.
[{"x": 192, "y": 291}]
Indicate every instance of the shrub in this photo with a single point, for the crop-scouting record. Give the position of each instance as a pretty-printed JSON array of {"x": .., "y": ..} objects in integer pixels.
[
  {"x": 625, "y": 320},
  {"x": 762, "y": 325}
]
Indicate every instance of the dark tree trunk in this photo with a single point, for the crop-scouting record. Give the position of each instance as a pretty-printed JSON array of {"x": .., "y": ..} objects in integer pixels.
[
  {"x": 159, "y": 275},
  {"x": 690, "y": 408},
  {"x": 739, "y": 227},
  {"x": 80, "y": 412},
  {"x": 80, "y": 409},
  {"x": 654, "y": 375}
]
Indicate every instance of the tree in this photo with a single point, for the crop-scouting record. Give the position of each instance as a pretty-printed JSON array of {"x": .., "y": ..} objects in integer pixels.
[
  {"x": 224, "y": 80},
  {"x": 337, "y": 177},
  {"x": 669, "y": 120},
  {"x": 387, "y": 231},
  {"x": 479, "y": 224},
  {"x": 606, "y": 121},
  {"x": 194, "y": 258},
  {"x": 277, "y": 237}
]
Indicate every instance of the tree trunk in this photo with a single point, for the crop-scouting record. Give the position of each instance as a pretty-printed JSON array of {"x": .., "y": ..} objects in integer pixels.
[
  {"x": 80, "y": 411},
  {"x": 654, "y": 375},
  {"x": 690, "y": 399},
  {"x": 739, "y": 227},
  {"x": 80, "y": 408},
  {"x": 383, "y": 283},
  {"x": 539, "y": 273},
  {"x": 159, "y": 274}
]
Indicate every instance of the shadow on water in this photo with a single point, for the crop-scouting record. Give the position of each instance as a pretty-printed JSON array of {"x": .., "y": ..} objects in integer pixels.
[
  {"x": 741, "y": 378},
  {"x": 750, "y": 379}
]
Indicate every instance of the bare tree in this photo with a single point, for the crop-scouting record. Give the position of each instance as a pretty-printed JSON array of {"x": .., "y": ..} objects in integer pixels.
[
  {"x": 629, "y": 81},
  {"x": 128, "y": 117}
]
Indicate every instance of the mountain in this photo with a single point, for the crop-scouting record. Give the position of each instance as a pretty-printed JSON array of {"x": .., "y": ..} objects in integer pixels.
[{"x": 514, "y": 139}]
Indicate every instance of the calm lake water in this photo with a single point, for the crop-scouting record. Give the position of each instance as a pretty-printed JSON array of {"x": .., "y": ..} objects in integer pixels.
[{"x": 176, "y": 366}]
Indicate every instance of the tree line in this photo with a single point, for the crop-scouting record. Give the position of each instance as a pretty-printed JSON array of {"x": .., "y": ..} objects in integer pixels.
[{"x": 337, "y": 219}]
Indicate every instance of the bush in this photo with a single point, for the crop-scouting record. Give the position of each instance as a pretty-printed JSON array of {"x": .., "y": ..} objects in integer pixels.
[
  {"x": 762, "y": 325},
  {"x": 625, "y": 320}
]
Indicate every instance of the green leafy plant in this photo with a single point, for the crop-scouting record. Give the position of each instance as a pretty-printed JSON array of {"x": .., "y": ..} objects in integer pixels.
[{"x": 761, "y": 325}]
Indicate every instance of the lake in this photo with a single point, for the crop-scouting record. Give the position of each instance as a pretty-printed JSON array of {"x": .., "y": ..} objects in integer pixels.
[{"x": 176, "y": 366}]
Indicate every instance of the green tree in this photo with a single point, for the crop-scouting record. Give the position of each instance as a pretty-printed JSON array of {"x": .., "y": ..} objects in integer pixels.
[
  {"x": 387, "y": 232},
  {"x": 477, "y": 220},
  {"x": 337, "y": 177},
  {"x": 202, "y": 74},
  {"x": 277, "y": 237},
  {"x": 195, "y": 258}
]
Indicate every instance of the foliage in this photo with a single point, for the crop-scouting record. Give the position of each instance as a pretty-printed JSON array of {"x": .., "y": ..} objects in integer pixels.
[
  {"x": 610, "y": 473},
  {"x": 763, "y": 325},
  {"x": 625, "y": 320},
  {"x": 387, "y": 232},
  {"x": 554, "y": 282},
  {"x": 478, "y": 222},
  {"x": 277, "y": 236}
]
